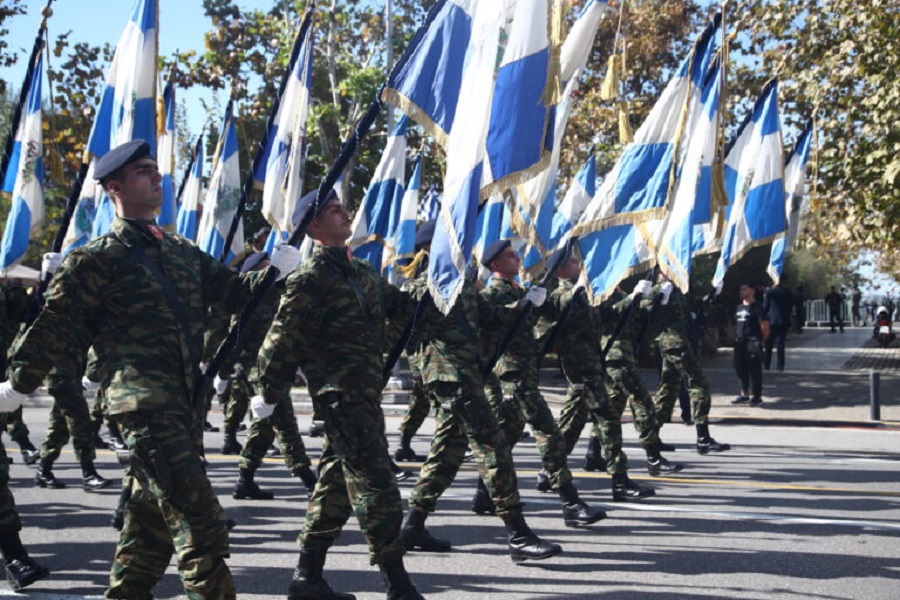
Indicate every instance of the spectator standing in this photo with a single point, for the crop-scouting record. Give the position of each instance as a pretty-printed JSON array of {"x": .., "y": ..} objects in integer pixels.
[
  {"x": 751, "y": 330},
  {"x": 800, "y": 308},
  {"x": 835, "y": 302},
  {"x": 777, "y": 308},
  {"x": 855, "y": 314}
]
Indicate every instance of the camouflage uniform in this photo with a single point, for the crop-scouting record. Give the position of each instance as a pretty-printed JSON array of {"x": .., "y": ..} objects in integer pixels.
[
  {"x": 517, "y": 371},
  {"x": 14, "y": 309},
  {"x": 419, "y": 406},
  {"x": 451, "y": 370},
  {"x": 331, "y": 323},
  {"x": 679, "y": 363},
  {"x": 69, "y": 416},
  {"x": 102, "y": 293},
  {"x": 579, "y": 353}
]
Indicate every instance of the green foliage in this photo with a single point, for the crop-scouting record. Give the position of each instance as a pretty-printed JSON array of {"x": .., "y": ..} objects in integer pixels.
[{"x": 8, "y": 56}]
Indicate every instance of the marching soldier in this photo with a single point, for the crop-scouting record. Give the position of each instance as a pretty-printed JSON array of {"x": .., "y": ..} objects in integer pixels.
[{"x": 139, "y": 295}]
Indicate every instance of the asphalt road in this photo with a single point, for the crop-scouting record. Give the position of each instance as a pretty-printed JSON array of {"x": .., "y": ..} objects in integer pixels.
[{"x": 790, "y": 512}]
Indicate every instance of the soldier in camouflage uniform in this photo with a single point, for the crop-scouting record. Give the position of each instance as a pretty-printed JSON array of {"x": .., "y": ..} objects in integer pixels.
[
  {"x": 69, "y": 418},
  {"x": 582, "y": 363},
  {"x": 517, "y": 371},
  {"x": 679, "y": 363},
  {"x": 331, "y": 323},
  {"x": 451, "y": 369},
  {"x": 140, "y": 295},
  {"x": 14, "y": 303}
]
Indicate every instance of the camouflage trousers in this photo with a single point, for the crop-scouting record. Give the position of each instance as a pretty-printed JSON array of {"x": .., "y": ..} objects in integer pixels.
[
  {"x": 262, "y": 433},
  {"x": 9, "y": 516},
  {"x": 173, "y": 508},
  {"x": 520, "y": 401},
  {"x": 236, "y": 398},
  {"x": 69, "y": 418},
  {"x": 679, "y": 365},
  {"x": 588, "y": 400},
  {"x": 16, "y": 427},
  {"x": 418, "y": 408},
  {"x": 465, "y": 420},
  {"x": 354, "y": 477},
  {"x": 625, "y": 386}
]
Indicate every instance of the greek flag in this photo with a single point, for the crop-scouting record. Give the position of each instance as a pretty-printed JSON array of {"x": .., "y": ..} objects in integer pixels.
[
  {"x": 24, "y": 177},
  {"x": 754, "y": 180},
  {"x": 795, "y": 205},
  {"x": 577, "y": 197},
  {"x": 693, "y": 191},
  {"x": 127, "y": 108},
  {"x": 284, "y": 165},
  {"x": 492, "y": 120},
  {"x": 370, "y": 226},
  {"x": 166, "y": 160},
  {"x": 222, "y": 196},
  {"x": 488, "y": 225},
  {"x": 401, "y": 235},
  {"x": 638, "y": 187},
  {"x": 617, "y": 252},
  {"x": 429, "y": 206},
  {"x": 191, "y": 192},
  {"x": 81, "y": 226}
]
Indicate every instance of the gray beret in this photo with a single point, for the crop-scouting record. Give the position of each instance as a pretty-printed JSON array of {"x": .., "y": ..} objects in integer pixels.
[
  {"x": 307, "y": 202},
  {"x": 493, "y": 251}
]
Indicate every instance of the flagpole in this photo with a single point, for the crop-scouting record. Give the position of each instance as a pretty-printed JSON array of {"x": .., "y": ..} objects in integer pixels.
[
  {"x": 36, "y": 50},
  {"x": 270, "y": 119},
  {"x": 187, "y": 171}
]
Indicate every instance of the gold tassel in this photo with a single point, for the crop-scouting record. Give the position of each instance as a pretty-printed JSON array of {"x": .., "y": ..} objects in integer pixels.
[
  {"x": 609, "y": 91},
  {"x": 626, "y": 133},
  {"x": 719, "y": 196},
  {"x": 409, "y": 271},
  {"x": 160, "y": 115}
]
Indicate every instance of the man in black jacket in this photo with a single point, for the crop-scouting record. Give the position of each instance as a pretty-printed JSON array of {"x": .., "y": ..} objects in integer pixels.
[{"x": 777, "y": 305}]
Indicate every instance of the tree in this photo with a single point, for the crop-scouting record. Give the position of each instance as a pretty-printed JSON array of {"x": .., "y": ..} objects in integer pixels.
[{"x": 8, "y": 57}]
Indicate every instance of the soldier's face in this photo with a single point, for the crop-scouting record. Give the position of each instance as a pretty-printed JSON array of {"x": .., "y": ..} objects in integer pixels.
[
  {"x": 507, "y": 263},
  {"x": 569, "y": 269},
  {"x": 333, "y": 226},
  {"x": 138, "y": 184}
]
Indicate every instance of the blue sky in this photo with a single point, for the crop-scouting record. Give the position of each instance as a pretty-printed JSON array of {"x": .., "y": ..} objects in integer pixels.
[{"x": 181, "y": 27}]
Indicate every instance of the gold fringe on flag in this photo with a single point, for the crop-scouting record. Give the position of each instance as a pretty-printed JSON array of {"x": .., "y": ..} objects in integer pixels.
[
  {"x": 409, "y": 271},
  {"x": 626, "y": 133},
  {"x": 610, "y": 89},
  {"x": 160, "y": 114}
]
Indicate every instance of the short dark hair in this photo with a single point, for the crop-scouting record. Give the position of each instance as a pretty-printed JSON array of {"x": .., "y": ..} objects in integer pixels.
[{"x": 748, "y": 283}]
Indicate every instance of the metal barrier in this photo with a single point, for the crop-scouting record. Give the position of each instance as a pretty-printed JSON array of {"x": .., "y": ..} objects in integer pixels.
[{"x": 817, "y": 313}]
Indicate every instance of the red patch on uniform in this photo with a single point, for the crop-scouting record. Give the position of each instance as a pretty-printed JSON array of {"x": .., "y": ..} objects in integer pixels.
[{"x": 156, "y": 232}]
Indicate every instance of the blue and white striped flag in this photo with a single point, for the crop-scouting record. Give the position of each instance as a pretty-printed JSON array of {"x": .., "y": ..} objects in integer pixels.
[
  {"x": 400, "y": 243},
  {"x": 165, "y": 158},
  {"x": 370, "y": 226},
  {"x": 488, "y": 225},
  {"x": 577, "y": 197},
  {"x": 754, "y": 181},
  {"x": 284, "y": 173},
  {"x": 795, "y": 204},
  {"x": 127, "y": 108},
  {"x": 24, "y": 177},
  {"x": 429, "y": 206},
  {"x": 693, "y": 191},
  {"x": 492, "y": 120},
  {"x": 222, "y": 196},
  {"x": 617, "y": 252},
  {"x": 638, "y": 186},
  {"x": 81, "y": 225},
  {"x": 191, "y": 192}
]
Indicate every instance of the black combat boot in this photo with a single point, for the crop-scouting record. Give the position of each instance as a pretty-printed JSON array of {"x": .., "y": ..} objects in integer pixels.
[
  {"x": 593, "y": 460},
  {"x": 30, "y": 454},
  {"x": 21, "y": 569},
  {"x": 405, "y": 453},
  {"x": 92, "y": 479},
  {"x": 44, "y": 476},
  {"x": 400, "y": 473},
  {"x": 396, "y": 581},
  {"x": 417, "y": 537},
  {"x": 481, "y": 501},
  {"x": 116, "y": 443},
  {"x": 523, "y": 543},
  {"x": 624, "y": 489},
  {"x": 316, "y": 428},
  {"x": 661, "y": 446},
  {"x": 307, "y": 582},
  {"x": 575, "y": 511},
  {"x": 246, "y": 488},
  {"x": 97, "y": 423},
  {"x": 308, "y": 477},
  {"x": 658, "y": 465},
  {"x": 231, "y": 445},
  {"x": 543, "y": 482},
  {"x": 706, "y": 444}
]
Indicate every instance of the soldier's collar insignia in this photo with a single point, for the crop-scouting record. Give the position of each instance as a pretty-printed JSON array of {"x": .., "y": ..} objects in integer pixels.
[{"x": 156, "y": 232}]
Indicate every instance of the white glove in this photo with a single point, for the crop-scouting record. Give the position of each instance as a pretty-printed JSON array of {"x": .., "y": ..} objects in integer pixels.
[
  {"x": 10, "y": 399},
  {"x": 666, "y": 289},
  {"x": 220, "y": 385},
  {"x": 285, "y": 258},
  {"x": 89, "y": 386},
  {"x": 536, "y": 295},
  {"x": 50, "y": 263},
  {"x": 642, "y": 288},
  {"x": 260, "y": 408}
]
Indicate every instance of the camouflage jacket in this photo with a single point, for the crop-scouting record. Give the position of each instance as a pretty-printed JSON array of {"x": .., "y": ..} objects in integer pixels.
[
  {"x": 251, "y": 338},
  {"x": 668, "y": 322},
  {"x": 13, "y": 310},
  {"x": 448, "y": 346},
  {"x": 611, "y": 311},
  {"x": 576, "y": 338},
  {"x": 103, "y": 295},
  {"x": 331, "y": 323},
  {"x": 522, "y": 351}
]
